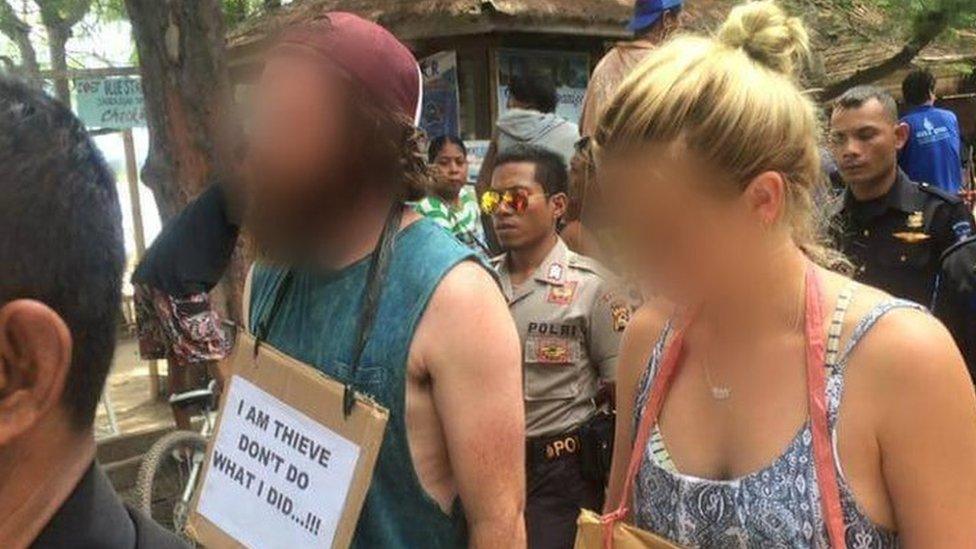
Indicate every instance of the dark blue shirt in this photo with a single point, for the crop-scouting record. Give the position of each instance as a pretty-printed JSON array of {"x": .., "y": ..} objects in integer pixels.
[{"x": 931, "y": 154}]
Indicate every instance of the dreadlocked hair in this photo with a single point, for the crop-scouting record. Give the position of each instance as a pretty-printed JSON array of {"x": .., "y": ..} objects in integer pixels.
[{"x": 395, "y": 147}]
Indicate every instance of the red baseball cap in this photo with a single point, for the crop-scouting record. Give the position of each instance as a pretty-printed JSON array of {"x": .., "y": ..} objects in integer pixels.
[{"x": 370, "y": 54}]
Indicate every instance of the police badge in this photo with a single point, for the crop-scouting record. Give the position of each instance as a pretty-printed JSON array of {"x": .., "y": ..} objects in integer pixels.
[{"x": 915, "y": 220}]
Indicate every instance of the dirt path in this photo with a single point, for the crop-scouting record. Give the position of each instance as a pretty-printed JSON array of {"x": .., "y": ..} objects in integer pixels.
[{"x": 128, "y": 390}]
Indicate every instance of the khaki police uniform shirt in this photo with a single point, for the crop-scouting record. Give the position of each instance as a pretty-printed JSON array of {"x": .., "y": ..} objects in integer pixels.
[{"x": 569, "y": 319}]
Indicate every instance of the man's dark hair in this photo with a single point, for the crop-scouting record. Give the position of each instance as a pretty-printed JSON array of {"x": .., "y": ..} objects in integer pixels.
[
  {"x": 537, "y": 91},
  {"x": 857, "y": 96},
  {"x": 917, "y": 87},
  {"x": 440, "y": 142},
  {"x": 550, "y": 168},
  {"x": 62, "y": 233}
]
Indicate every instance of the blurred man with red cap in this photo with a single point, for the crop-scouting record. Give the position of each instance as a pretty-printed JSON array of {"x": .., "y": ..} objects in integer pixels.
[{"x": 365, "y": 290}]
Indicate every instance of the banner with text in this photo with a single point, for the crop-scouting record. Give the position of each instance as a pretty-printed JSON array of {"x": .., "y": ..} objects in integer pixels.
[{"x": 440, "y": 109}]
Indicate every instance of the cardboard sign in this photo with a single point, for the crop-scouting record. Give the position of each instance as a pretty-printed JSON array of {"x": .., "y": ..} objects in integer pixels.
[{"x": 285, "y": 468}]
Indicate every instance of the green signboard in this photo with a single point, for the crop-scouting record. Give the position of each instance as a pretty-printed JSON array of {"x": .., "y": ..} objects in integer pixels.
[{"x": 110, "y": 102}]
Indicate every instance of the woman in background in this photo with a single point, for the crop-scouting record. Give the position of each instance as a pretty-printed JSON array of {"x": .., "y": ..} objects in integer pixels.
[
  {"x": 784, "y": 404},
  {"x": 451, "y": 203}
]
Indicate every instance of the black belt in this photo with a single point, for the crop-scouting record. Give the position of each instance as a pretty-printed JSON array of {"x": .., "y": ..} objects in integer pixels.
[{"x": 545, "y": 449}]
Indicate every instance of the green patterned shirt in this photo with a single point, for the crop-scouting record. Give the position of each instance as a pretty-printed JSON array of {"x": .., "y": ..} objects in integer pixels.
[{"x": 463, "y": 221}]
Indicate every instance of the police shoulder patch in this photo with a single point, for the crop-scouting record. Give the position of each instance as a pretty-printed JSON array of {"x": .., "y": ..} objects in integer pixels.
[
  {"x": 619, "y": 315},
  {"x": 962, "y": 230}
]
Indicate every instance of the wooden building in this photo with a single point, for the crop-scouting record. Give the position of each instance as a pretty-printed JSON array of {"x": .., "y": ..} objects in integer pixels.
[{"x": 493, "y": 38}]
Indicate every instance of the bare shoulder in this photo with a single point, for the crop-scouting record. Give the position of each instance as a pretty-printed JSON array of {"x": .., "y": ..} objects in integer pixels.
[
  {"x": 648, "y": 321},
  {"x": 466, "y": 284},
  {"x": 640, "y": 336},
  {"x": 905, "y": 349},
  {"x": 909, "y": 349},
  {"x": 466, "y": 319}
]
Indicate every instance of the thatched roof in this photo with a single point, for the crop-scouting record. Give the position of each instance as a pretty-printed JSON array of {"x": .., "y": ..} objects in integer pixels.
[
  {"x": 848, "y": 35},
  {"x": 416, "y": 19}
]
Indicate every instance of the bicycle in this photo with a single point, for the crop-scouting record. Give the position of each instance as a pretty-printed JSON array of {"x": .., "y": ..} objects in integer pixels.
[{"x": 171, "y": 469}]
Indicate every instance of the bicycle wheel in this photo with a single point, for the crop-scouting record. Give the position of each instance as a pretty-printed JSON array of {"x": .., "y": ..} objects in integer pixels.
[{"x": 163, "y": 477}]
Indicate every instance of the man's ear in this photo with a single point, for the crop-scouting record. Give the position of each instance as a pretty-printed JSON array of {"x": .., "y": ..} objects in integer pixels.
[
  {"x": 35, "y": 356},
  {"x": 560, "y": 203},
  {"x": 901, "y": 134}
]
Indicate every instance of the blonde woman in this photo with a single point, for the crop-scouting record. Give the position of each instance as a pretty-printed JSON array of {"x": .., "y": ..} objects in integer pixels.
[{"x": 784, "y": 405}]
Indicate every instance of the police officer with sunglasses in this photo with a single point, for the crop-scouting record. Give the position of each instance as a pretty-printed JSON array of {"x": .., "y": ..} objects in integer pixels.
[{"x": 570, "y": 319}]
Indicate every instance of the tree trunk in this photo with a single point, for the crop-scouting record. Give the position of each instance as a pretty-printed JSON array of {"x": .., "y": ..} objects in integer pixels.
[
  {"x": 187, "y": 94},
  {"x": 57, "y": 39}
]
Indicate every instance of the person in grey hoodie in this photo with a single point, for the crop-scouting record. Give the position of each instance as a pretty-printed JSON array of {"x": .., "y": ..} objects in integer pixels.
[{"x": 531, "y": 118}]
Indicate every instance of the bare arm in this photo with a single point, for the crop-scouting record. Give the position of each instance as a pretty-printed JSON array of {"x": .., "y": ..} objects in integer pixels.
[
  {"x": 926, "y": 429},
  {"x": 635, "y": 350},
  {"x": 472, "y": 352}
]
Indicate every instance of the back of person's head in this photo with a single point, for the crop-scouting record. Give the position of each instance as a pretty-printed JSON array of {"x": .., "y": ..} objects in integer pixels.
[
  {"x": 550, "y": 168},
  {"x": 858, "y": 96},
  {"x": 535, "y": 91},
  {"x": 62, "y": 254},
  {"x": 653, "y": 16},
  {"x": 917, "y": 88},
  {"x": 732, "y": 101}
]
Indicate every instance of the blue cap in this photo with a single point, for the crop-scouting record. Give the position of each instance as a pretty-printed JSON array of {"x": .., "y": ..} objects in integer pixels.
[{"x": 647, "y": 12}]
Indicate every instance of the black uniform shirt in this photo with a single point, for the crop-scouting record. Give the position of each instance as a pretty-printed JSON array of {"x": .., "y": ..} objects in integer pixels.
[
  {"x": 93, "y": 517},
  {"x": 955, "y": 302},
  {"x": 897, "y": 240}
]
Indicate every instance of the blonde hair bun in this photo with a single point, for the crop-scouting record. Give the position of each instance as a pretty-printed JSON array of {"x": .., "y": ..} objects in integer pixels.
[{"x": 767, "y": 35}]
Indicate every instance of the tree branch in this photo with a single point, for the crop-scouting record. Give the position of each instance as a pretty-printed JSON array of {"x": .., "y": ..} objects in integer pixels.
[
  {"x": 58, "y": 24},
  {"x": 19, "y": 32},
  {"x": 928, "y": 26}
]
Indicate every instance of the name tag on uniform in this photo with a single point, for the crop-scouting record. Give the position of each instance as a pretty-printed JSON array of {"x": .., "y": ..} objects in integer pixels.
[
  {"x": 552, "y": 350},
  {"x": 562, "y": 295}
]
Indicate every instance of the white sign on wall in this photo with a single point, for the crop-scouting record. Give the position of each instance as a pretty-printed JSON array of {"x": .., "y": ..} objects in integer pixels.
[{"x": 115, "y": 102}]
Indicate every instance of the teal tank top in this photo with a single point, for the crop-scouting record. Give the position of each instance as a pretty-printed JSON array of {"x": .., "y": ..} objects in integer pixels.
[{"x": 316, "y": 324}]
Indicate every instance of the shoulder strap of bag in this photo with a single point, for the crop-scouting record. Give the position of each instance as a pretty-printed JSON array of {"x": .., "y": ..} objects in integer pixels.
[
  {"x": 652, "y": 408},
  {"x": 823, "y": 453}
]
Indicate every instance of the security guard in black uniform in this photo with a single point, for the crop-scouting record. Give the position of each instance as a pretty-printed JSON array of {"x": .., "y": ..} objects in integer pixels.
[
  {"x": 955, "y": 298},
  {"x": 570, "y": 318},
  {"x": 893, "y": 229}
]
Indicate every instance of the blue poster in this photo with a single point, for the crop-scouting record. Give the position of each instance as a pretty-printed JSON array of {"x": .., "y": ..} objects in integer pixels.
[{"x": 439, "y": 115}]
